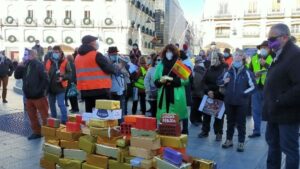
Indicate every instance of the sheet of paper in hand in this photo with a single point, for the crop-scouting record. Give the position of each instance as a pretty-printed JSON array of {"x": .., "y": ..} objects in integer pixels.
[{"x": 212, "y": 107}]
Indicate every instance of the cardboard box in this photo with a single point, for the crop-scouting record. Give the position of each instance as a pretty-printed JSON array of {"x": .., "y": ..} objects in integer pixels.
[
  {"x": 146, "y": 123},
  {"x": 52, "y": 149},
  {"x": 131, "y": 119},
  {"x": 55, "y": 142},
  {"x": 48, "y": 131},
  {"x": 112, "y": 142},
  {"x": 104, "y": 132},
  {"x": 141, "y": 152},
  {"x": 170, "y": 118},
  {"x": 143, "y": 133},
  {"x": 75, "y": 154},
  {"x": 107, "y": 114},
  {"x": 69, "y": 144},
  {"x": 51, "y": 157},
  {"x": 169, "y": 129},
  {"x": 124, "y": 152},
  {"x": 108, "y": 151},
  {"x": 173, "y": 142},
  {"x": 62, "y": 134},
  {"x": 203, "y": 164},
  {"x": 113, "y": 164},
  {"x": 69, "y": 163},
  {"x": 47, "y": 164},
  {"x": 52, "y": 122},
  {"x": 87, "y": 144},
  {"x": 97, "y": 160},
  {"x": 75, "y": 118},
  {"x": 102, "y": 123},
  {"x": 88, "y": 166},
  {"x": 108, "y": 104},
  {"x": 145, "y": 142},
  {"x": 147, "y": 164},
  {"x": 123, "y": 142},
  {"x": 162, "y": 164},
  {"x": 136, "y": 162},
  {"x": 73, "y": 127}
]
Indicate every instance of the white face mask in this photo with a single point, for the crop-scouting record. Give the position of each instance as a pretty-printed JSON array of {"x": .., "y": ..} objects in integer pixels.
[
  {"x": 169, "y": 55},
  {"x": 213, "y": 46}
]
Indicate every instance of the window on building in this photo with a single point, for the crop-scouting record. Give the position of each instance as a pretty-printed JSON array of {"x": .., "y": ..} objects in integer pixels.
[
  {"x": 251, "y": 31},
  {"x": 223, "y": 7},
  {"x": 87, "y": 14},
  {"x": 252, "y": 8},
  {"x": 222, "y": 32},
  {"x": 68, "y": 14},
  {"x": 276, "y": 5},
  {"x": 295, "y": 28},
  {"x": 297, "y": 5},
  {"x": 49, "y": 13},
  {"x": 30, "y": 13}
]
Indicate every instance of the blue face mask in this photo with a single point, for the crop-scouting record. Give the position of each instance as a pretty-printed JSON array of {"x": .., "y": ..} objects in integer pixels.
[
  {"x": 55, "y": 56},
  {"x": 226, "y": 55},
  {"x": 237, "y": 64},
  {"x": 263, "y": 52}
]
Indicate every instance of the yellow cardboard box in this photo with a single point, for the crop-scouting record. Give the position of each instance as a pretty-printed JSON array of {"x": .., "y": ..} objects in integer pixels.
[
  {"x": 62, "y": 134},
  {"x": 145, "y": 142},
  {"x": 47, "y": 164},
  {"x": 88, "y": 166},
  {"x": 48, "y": 131},
  {"x": 203, "y": 164},
  {"x": 52, "y": 141},
  {"x": 69, "y": 163},
  {"x": 51, "y": 157},
  {"x": 107, "y": 104},
  {"x": 173, "y": 142},
  {"x": 69, "y": 144},
  {"x": 103, "y": 123},
  {"x": 97, "y": 160},
  {"x": 141, "y": 152},
  {"x": 113, "y": 164}
]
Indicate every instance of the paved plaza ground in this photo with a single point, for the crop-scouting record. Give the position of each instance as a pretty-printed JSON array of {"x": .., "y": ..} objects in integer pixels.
[{"x": 17, "y": 152}]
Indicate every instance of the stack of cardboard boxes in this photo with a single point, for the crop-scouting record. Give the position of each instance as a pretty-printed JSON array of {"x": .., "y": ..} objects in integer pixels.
[{"x": 98, "y": 142}]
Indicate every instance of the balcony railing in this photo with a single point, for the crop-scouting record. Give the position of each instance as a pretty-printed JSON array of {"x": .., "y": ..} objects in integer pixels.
[
  {"x": 225, "y": 15},
  {"x": 222, "y": 35},
  {"x": 296, "y": 12},
  {"x": 276, "y": 13},
  {"x": 251, "y": 14},
  {"x": 250, "y": 35}
]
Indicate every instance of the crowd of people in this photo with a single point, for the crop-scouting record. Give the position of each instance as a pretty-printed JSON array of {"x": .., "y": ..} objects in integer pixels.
[{"x": 268, "y": 86}]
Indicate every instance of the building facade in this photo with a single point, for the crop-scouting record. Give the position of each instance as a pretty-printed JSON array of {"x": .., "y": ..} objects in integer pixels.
[
  {"x": 64, "y": 22},
  {"x": 245, "y": 24}
]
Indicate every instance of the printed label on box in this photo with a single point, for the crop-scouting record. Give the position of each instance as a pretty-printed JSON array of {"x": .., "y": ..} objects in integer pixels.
[{"x": 107, "y": 114}]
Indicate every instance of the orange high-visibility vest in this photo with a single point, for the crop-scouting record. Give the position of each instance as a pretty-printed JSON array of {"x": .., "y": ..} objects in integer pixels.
[
  {"x": 89, "y": 75},
  {"x": 62, "y": 69}
]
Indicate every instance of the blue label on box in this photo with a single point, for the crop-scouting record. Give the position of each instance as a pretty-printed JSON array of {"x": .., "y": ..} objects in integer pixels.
[{"x": 102, "y": 113}]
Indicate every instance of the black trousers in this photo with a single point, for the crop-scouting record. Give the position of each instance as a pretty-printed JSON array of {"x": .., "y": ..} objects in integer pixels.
[
  {"x": 153, "y": 107},
  {"x": 236, "y": 116},
  {"x": 185, "y": 126},
  {"x": 218, "y": 124},
  {"x": 90, "y": 102},
  {"x": 142, "y": 99},
  {"x": 196, "y": 115},
  {"x": 74, "y": 103}
]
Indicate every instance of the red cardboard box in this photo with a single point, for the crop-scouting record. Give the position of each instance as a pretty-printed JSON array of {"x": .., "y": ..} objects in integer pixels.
[
  {"x": 126, "y": 128},
  {"x": 146, "y": 123},
  {"x": 52, "y": 122},
  {"x": 170, "y": 118},
  {"x": 131, "y": 119},
  {"x": 169, "y": 129},
  {"x": 73, "y": 127}
]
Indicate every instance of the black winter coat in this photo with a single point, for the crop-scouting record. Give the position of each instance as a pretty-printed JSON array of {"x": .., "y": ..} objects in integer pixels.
[
  {"x": 6, "y": 68},
  {"x": 35, "y": 79},
  {"x": 282, "y": 87}
]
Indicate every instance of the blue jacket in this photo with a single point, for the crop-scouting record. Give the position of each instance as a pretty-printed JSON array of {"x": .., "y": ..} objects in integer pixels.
[{"x": 240, "y": 87}]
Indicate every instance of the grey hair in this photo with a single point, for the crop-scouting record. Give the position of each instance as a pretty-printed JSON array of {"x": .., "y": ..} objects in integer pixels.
[
  {"x": 281, "y": 29},
  {"x": 33, "y": 52},
  {"x": 239, "y": 52}
]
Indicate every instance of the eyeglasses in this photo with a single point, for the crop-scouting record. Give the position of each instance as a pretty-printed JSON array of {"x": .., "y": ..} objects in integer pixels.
[
  {"x": 158, "y": 59},
  {"x": 272, "y": 39}
]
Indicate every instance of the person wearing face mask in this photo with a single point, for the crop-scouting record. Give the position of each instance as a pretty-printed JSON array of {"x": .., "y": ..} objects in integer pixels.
[
  {"x": 282, "y": 99},
  {"x": 151, "y": 90},
  {"x": 171, "y": 89},
  {"x": 259, "y": 65},
  {"x": 59, "y": 72},
  {"x": 216, "y": 69},
  {"x": 93, "y": 72},
  {"x": 39, "y": 49},
  {"x": 228, "y": 57},
  {"x": 239, "y": 84},
  {"x": 35, "y": 86},
  {"x": 135, "y": 54}
]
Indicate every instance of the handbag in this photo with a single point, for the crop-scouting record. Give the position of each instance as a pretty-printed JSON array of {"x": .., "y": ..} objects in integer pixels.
[{"x": 72, "y": 92}]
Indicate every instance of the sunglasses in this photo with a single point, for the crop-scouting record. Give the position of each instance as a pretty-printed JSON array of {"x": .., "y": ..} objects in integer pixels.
[{"x": 272, "y": 39}]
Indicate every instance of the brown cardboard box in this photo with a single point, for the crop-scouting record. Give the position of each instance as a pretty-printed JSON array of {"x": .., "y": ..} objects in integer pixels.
[
  {"x": 52, "y": 141},
  {"x": 69, "y": 163},
  {"x": 97, "y": 160},
  {"x": 51, "y": 157},
  {"x": 141, "y": 152},
  {"x": 47, "y": 164},
  {"x": 64, "y": 135},
  {"x": 145, "y": 142},
  {"x": 69, "y": 144},
  {"x": 203, "y": 164},
  {"x": 112, "y": 142},
  {"x": 108, "y": 151},
  {"x": 48, "y": 131},
  {"x": 107, "y": 104},
  {"x": 113, "y": 164},
  {"x": 88, "y": 166},
  {"x": 104, "y": 132},
  {"x": 87, "y": 144}
]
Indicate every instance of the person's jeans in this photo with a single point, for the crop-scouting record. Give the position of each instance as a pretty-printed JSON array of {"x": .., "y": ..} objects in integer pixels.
[
  {"x": 4, "y": 83},
  {"x": 236, "y": 116},
  {"x": 257, "y": 101},
  {"x": 60, "y": 98},
  {"x": 283, "y": 138}
]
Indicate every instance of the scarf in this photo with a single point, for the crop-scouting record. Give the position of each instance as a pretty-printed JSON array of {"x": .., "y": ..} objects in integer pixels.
[{"x": 168, "y": 89}]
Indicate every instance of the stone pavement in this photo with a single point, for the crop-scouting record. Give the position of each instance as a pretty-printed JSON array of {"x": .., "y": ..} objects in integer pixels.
[{"x": 18, "y": 153}]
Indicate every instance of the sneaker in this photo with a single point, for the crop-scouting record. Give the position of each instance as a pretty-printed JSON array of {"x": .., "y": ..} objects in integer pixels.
[
  {"x": 227, "y": 144},
  {"x": 219, "y": 137},
  {"x": 240, "y": 147},
  {"x": 34, "y": 136},
  {"x": 254, "y": 135},
  {"x": 4, "y": 101},
  {"x": 203, "y": 135}
]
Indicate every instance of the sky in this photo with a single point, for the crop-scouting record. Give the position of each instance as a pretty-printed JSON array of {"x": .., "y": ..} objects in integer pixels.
[{"x": 191, "y": 8}]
